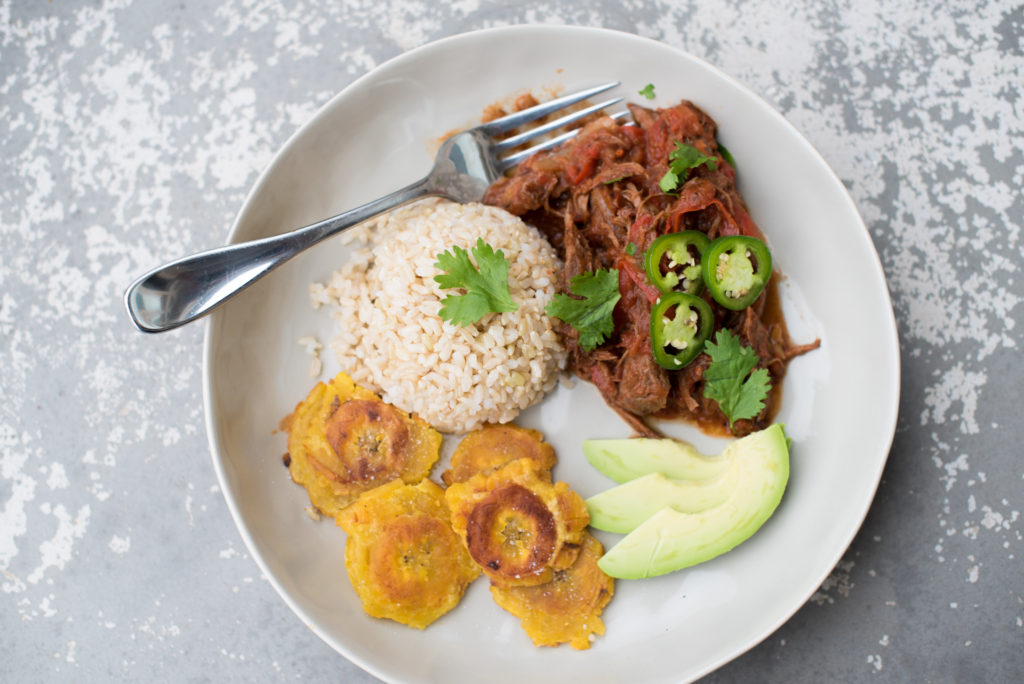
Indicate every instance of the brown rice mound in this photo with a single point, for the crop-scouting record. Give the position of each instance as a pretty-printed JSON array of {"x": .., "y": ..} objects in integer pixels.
[{"x": 392, "y": 340}]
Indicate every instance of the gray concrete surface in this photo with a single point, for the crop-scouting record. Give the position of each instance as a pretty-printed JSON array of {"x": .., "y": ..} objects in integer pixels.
[{"x": 130, "y": 132}]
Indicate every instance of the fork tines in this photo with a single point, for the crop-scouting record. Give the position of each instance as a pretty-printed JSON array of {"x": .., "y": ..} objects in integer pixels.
[
  {"x": 517, "y": 119},
  {"x": 513, "y": 159},
  {"x": 513, "y": 121},
  {"x": 517, "y": 140}
]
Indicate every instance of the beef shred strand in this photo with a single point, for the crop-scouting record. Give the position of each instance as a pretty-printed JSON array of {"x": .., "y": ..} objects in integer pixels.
[{"x": 599, "y": 193}]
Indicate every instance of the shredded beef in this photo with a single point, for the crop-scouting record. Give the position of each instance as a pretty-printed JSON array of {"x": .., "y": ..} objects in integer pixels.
[{"x": 597, "y": 199}]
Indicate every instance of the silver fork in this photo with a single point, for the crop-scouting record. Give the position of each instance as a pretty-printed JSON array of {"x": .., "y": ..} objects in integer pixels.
[{"x": 467, "y": 163}]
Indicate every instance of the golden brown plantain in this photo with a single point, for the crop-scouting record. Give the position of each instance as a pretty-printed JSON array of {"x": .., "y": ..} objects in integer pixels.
[
  {"x": 343, "y": 440},
  {"x": 403, "y": 559},
  {"x": 492, "y": 446},
  {"x": 568, "y": 608},
  {"x": 518, "y": 526}
]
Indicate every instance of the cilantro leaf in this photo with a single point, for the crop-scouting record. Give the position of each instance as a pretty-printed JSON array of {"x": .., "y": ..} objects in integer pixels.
[
  {"x": 486, "y": 284},
  {"x": 726, "y": 155},
  {"x": 592, "y": 315},
  {"x": 647, "y": 91},
  {"x": 630, "y": 248},
  {"x": 669, "y": 182},
  {"x": 682, "y": 160},
  {"x": 731, "y": 380}
]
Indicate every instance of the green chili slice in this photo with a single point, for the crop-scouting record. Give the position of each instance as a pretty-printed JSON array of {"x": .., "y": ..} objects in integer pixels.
[
  {"x": 736, "y": 269},
  {"x": 673, "y": 262},
  {"x": 680, "y": 323}
]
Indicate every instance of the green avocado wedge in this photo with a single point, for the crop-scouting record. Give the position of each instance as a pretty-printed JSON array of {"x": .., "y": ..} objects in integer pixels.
[
  {"x": 627, "y": 459},
  {"x": 671, "y": 539},
  {"x": 621, "y": 509}
]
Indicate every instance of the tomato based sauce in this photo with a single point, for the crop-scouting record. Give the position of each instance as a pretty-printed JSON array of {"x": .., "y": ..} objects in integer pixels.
[{"x": 599, "y": 200}]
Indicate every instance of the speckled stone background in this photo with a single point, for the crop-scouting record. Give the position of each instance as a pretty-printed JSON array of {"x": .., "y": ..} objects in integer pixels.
[{"x": 130, "y": 133}]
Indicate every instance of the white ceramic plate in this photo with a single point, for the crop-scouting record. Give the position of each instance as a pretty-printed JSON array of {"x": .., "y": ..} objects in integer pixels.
[{"x": 839, "y": 406}]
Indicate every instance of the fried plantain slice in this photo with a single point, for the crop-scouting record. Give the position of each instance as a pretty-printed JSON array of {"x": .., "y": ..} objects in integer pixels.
[
  {"x": 492, "y": 446},
  {"x": 403, "y": 558},
  {"x": 343, "y": 440},
  {"x": 568, "y": 608},
  {"x": 518, "y": 526}
]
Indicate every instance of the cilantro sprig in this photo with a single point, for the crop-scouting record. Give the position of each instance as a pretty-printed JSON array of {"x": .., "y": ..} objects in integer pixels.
[
  {"x": 647, "y": 91},
  {"x": 730, "y": 378},
  {"x": 591, "y": 315},
  {"x": 726, "y": 155},
  {"x": 486, "y": 283},
  {"x": 682, "y": 160}
]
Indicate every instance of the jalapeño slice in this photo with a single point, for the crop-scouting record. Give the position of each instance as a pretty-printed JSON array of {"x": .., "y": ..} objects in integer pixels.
[
  {"x": 680, "y": 323},
  {"x": 736, "y": 269},
  {"x": 673, "y": 262}
]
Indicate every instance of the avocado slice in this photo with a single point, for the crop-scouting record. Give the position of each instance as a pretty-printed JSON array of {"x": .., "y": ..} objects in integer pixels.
[
  {"x": 621, "y": 509},
  {"x": 671, "y": 540},
  {"x": 627, "y": 459}
]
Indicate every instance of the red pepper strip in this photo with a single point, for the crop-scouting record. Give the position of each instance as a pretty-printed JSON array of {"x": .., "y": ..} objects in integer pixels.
[
  {"x": 634, "y": 132},
  {"x": 730, "y": 227},
  {"x": 631, "y": 274},
  {"x": 746, "y": 224},
  {"x": 638, "y": 230},
  {"x": 675, "y": 123},
  {"x": 578, "y": 171},
  {"x": 697, "y": 194}
]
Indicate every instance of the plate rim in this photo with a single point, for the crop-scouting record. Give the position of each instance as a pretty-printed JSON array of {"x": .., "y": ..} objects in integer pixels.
[{"x": 214, "y": 436}]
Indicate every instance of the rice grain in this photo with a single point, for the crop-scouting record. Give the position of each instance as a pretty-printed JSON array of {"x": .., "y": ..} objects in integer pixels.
[{"x": 392, "y": 340}]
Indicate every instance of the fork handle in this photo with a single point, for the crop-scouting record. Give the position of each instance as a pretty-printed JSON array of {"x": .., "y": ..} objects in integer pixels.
[{"x": 191, "y": 287}]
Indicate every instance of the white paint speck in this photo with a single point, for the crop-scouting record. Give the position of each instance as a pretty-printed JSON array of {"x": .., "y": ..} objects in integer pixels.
[
  {"x": 171, "y": 436},
  {"x": 58, "y": 477},
  {"x": 13, "y": 517},
  {"x": 120, "y": 545},
  {"x": 46, "y": 607},
  {"x": 56, "y": 552}
]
